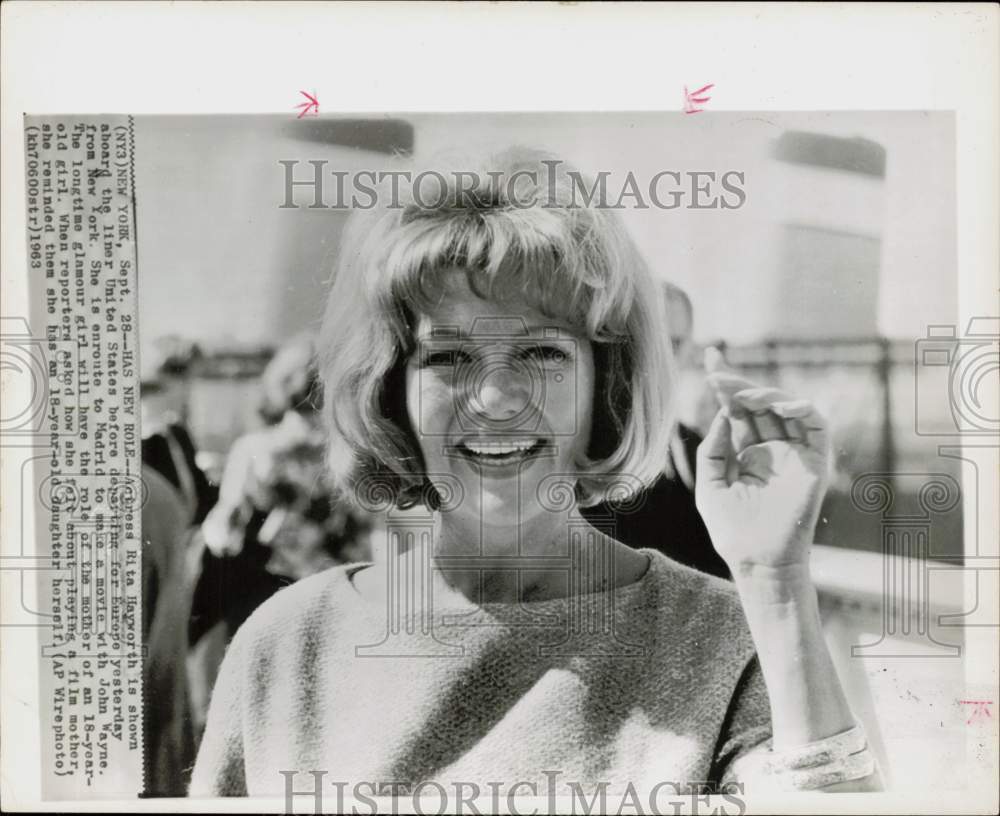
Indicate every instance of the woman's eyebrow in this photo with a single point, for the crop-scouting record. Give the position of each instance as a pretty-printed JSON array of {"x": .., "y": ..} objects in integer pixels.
[
  {"x": 534, "y": 331},
  {"x": 547, "y": 331},
  {"x": 447, "y": 332}
]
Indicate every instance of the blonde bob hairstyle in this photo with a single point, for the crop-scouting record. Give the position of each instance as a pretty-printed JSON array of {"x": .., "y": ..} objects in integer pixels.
[{"x": 517, "y": 227}]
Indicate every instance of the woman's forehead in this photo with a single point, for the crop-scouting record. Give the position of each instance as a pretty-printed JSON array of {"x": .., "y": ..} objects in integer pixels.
[{"x": 458, "y": 311}]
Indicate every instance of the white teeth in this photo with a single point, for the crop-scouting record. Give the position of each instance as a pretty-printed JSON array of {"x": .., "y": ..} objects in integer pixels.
[{"x": 483, "y": 448}]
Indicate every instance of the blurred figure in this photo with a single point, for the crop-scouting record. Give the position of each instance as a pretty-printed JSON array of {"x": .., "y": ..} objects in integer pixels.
[
  {"x": 275, "y": 521},
  {"x": 306, "y": 530},
  {"x": 289, "y": 381},
  {"x": 664, "y": 516},
  {"x": 684, "y": 443},
  {"x": 167, "y": 574},
  {"x": 178, "y": 496},
  {"x": 167, "y": 446}
]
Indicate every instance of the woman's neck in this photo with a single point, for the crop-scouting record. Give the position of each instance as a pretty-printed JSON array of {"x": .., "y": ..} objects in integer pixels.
[{"x": 541, "y": 559}]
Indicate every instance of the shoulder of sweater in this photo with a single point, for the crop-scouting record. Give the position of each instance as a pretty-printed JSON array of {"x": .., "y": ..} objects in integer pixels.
[
  {"x": 681, "y": 592},
  {"x": 663, "y": 568},
  {"x": 308, "y": 603}
]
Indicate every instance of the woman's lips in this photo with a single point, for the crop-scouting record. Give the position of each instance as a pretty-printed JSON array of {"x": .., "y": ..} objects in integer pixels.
[{"x": 500, "y": 454}]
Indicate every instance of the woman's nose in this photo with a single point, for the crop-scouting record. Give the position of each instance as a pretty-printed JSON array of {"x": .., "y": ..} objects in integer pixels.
[{"x": 501, "y": 392}]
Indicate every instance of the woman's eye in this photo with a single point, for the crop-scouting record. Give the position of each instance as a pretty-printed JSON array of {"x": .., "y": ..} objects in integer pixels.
[
  {"x": 545, "y": 354},
  {"x": 443, "y": 358},
  {"x": 438, "y": 359}
]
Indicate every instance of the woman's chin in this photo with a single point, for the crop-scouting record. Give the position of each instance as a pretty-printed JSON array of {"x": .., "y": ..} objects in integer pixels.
[{"x": 504, "y": 508}]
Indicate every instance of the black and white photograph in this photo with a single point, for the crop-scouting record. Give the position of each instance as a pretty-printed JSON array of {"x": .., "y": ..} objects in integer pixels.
[
  {"x": 483, "y": 461},
  {"x": 511, "y": 458}
]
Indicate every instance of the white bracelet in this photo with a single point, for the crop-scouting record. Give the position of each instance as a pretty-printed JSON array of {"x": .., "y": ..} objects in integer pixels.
[
  {"x": 820, "y": 752},
  {"x": 839, "y": 758},
  {"x": 854, "y": 766}
]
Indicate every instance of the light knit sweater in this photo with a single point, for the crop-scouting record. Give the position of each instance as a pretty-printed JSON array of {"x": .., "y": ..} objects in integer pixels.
[{"x": 667, "y": 688}]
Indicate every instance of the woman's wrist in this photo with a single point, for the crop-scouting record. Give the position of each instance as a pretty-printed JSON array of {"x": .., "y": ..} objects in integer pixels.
[
  {"x": 769, "y": 585},
  {"x": 782, "y": 610}
]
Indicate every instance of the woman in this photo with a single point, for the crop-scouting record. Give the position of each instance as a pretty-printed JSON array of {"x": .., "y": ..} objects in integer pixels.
[{"x": 496, "y": 353}]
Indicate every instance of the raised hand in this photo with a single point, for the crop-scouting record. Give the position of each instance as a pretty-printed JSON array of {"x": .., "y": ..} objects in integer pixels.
[{"x": 762, "y": 473}]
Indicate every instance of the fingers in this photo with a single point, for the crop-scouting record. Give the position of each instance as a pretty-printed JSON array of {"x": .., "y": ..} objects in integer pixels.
[
  {"x": 726, "y": 385},
  {"x": 759, "y": 414},
  {"x": 750, "y": 420},
  {"x": 716, "y": 450},
  {"x": 806, "y": 425},
  {"x": 756, "y": 399},
  {"x": 774, "y": 415},
  {"x": 756, "y": 407}
]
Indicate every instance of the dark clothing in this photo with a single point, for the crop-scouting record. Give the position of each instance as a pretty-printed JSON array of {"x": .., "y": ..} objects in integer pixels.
[
  {"x": 229, "y": 589},
  {"x": 664, "y": 518},
  {"x": 171, "y": 453}
]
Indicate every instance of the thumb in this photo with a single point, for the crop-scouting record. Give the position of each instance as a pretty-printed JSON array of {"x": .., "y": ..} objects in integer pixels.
[
  {"x": 723, "y": 380},
  {"x": 715, "y": 451},
  {"x": 714, "y": 361}
]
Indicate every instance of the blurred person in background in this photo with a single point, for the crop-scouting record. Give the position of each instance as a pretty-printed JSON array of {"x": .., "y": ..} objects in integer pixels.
[
  {"x": 167, "y": 446},
  {"x": 639, "y": 522},
  {"x": 306, "y": 530},
  {"x": 167, "y": 572},
  {"x": 177, "y": 496},
  {"x": 275, "y": 521}
]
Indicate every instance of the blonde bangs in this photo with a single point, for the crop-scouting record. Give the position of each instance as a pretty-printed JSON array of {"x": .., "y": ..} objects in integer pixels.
[{"x": 540, "y": 257}]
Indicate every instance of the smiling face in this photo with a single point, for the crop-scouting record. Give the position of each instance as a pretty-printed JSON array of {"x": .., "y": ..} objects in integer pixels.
[{"x": 499, "y": 396}]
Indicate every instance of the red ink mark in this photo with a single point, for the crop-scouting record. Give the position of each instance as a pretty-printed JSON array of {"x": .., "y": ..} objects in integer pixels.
[
  {"x": 310, "y": 108},
  {"x": 692, "y": 97},
  {"x": 980, "y": 709}
]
